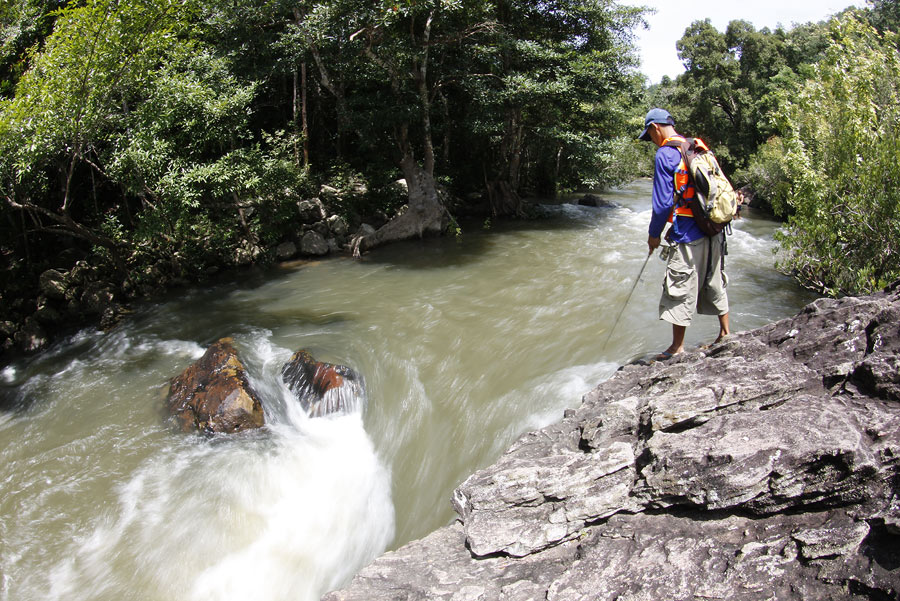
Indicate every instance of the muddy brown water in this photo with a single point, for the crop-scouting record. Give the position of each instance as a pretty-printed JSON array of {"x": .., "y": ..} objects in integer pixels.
[{"x": 464, "y": 344}]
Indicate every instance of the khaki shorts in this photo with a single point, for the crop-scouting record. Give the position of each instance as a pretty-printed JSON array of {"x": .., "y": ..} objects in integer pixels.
[{"x": 686, "y": 272}]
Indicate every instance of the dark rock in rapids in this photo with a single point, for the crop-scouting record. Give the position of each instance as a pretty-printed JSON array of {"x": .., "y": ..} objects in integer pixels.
[
  {"x": 322, "y": 388},
  {"x": 764, "y": 467},
  {"x": 592, "y": 200},
  {"x": 214, "y": 395}
]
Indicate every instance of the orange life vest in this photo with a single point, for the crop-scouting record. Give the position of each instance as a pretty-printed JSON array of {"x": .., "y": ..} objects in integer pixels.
[{"x": 684, "y": 190}]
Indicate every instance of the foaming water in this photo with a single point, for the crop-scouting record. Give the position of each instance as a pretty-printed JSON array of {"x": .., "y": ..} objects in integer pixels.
[
  {"x": 463, "y": 345},
  {"x": 238, "y": 519},
  {"x": 118, "y": 506}
]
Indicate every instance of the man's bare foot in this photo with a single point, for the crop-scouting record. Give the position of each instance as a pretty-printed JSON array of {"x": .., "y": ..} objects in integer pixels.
[{"x": 668, "y": 354}]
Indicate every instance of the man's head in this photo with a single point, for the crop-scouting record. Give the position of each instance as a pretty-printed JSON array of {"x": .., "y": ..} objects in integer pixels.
[{"x": 657, "y": 123}]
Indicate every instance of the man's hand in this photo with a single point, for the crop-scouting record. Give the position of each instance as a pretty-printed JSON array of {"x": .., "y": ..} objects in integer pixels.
[{"x": 653, "y": 243}]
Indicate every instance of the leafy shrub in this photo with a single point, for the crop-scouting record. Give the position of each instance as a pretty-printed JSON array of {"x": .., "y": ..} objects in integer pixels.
[{"x": 840, "y": 153}]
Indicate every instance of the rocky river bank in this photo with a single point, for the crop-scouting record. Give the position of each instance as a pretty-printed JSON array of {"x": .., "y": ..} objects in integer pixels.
[
  {"x": 75, "y": 292},
  {"x": 764, "y": 467}
]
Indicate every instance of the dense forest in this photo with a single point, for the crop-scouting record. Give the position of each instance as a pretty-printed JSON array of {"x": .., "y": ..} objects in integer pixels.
[{"x": 147, "y": 143}]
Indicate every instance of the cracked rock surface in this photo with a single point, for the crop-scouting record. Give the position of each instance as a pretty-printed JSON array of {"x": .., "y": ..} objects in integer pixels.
[{"x": 765, "y": 467}]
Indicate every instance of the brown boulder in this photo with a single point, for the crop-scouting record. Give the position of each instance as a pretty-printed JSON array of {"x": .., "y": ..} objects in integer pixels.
[
  {"x": 322, "y": 388},
  {"x": 214, "y": 394}
]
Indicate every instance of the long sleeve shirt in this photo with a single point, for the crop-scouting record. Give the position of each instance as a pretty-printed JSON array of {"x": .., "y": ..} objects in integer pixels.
[{"x": 663, "y": 199}]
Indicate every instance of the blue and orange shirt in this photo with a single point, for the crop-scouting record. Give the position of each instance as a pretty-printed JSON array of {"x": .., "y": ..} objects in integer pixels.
[{"x": 685, "y": 229}]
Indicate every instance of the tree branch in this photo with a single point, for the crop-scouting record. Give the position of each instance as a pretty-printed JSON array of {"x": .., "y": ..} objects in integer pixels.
[{"x": 65, "y": 222}]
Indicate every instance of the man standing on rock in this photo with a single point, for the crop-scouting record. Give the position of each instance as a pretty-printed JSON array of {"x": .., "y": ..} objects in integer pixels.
[{"x": 694, "y": 275}]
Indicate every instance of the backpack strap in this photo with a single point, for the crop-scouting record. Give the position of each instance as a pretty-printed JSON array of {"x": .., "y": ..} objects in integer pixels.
[{"x": 683, "y": 188}]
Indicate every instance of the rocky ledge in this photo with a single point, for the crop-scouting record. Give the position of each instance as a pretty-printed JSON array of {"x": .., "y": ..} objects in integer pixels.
[{"x": 764, "y": 467}]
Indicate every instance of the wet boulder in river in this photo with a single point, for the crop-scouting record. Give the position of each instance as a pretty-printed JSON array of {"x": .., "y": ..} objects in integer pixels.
[
  {"x": 592, "y": 200},
  {"x": 322, "y": 388},
  {"x": 214, "y": 394}
]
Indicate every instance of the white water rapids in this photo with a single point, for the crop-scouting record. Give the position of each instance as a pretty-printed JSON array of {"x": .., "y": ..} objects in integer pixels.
[{"x": 463, "y": 344}]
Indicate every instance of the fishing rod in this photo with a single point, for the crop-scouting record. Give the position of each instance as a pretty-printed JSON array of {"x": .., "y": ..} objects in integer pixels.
[{"x": 622, "y": 310}]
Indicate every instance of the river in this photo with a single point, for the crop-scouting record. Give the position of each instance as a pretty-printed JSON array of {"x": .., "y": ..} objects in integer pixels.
[{"x": 464, "y": 343}]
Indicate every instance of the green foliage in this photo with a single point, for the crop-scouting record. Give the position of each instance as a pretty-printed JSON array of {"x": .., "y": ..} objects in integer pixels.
[
  {"x": 808, "y": 118},
  {"x": 193, "y": 111},
  {"x": 23, "y": 24},
  {"x": 182, "y": 134},
  {"x": 840, "y": 152},
  {"x": 724, "y": 91},
  {"x": 728, "y": 91},
  {"x": 558, "y": 102},
  {"x": 126, "y": 106},
  {"x": 189, "y": 155},
  {"x": 885, "y": 14},
  {"x": 71, "y": 99},
  {"x": 769, "y": 178},
  {"x": 355, "y": 194}
]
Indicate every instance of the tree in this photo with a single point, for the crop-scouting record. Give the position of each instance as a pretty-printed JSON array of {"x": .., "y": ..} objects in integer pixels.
[
  {"x": 23, "y": 24},
  {"x": 727, "y": 91},
  {"x": 707, "y": 97},
  {"x": 550, "y": 85},
  {"x": 67, "y": 103},
  {"x": 728, "y": 81},
  {"x": 483, "y": 92},
  {"x": 398, "y": 43},
  {"x": 170, "y": 131},
  {"x": 884, "y": 14},
  {"x": 132, "y": 133},
  {"x": 840, "y": 152}
]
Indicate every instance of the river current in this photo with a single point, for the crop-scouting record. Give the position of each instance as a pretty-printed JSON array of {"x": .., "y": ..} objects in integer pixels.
[{"x": 464, "y": 344}]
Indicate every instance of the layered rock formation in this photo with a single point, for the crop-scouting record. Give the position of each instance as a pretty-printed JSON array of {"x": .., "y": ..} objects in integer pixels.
[{"x": 765, "y": 467}]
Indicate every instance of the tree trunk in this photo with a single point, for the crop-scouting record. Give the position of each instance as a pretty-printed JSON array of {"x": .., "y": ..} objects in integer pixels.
[
  {"x": 336, "y": 90},
  {"x": 505, "y": 200},
  {"x": 66, "y": 225},
  {"x": 425, "y": 99},
  {"x": 503, "y": 190},
  {"x": 425, "y": 212},
  {"x": 303, "y": 115},
  {"x": 424, "y": 215},
  {"x": 299, "y": 114}
]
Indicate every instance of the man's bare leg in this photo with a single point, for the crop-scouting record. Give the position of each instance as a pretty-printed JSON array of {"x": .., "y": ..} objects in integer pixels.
[
  {"x": 677, "y": 345},
  {"x": 724, "y": 328}
]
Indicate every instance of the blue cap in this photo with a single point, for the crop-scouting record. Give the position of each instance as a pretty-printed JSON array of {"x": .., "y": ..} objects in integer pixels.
[{"x": 655, "y": 116}]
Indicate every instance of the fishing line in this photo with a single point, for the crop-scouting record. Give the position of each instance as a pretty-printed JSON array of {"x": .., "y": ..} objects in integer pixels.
[{"x": 622, "y": 310}]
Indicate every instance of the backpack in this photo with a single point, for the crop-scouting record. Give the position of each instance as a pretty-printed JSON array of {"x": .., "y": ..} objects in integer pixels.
[{"x": 715, "y": 202}]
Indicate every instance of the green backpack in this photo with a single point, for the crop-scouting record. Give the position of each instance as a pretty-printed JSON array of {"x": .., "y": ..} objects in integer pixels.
[{"x": 715, "y": 203}]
